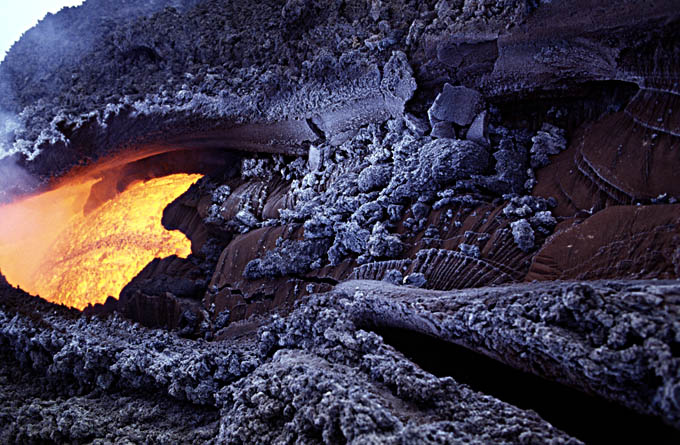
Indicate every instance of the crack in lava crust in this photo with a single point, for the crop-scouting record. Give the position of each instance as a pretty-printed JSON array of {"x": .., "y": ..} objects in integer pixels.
[{"x": 50, "y": 248}]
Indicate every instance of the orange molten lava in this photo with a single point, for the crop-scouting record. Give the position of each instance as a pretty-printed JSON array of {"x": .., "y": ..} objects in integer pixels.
[{"x": 48, "y": 247}]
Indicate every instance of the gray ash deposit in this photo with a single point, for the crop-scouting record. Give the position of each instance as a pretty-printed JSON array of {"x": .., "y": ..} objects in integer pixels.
[{"x": 419, "y": 222}]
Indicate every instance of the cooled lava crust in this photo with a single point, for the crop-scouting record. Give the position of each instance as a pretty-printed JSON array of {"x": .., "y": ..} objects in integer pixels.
[{"x": 420, "y": 222}]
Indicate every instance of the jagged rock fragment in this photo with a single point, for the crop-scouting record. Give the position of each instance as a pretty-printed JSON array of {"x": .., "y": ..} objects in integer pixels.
[
  {"x": 352, "y": 237},
  {"x": 457, "y": 104},
  {"x": 374, "y": 177},
  {"x": 443, "y": 130},
  {"x": 382, "y": 244},
  {"x": 548, "y": 141},
  {"x": 314, "y": 158},
  {"x": 478, "y": 130},
  {"x": 394, "y": 276},
  {"x": 446, "y": 160},
  {"x": 289, "y": 257},
  {"x": 523, "y": 234},
  {"x": 469, "y": 249},
  {"x": 416, "y": 279}
]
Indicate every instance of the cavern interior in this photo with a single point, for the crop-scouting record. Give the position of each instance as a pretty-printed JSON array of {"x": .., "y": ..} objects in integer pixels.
[{"x": 343, "y": 221}]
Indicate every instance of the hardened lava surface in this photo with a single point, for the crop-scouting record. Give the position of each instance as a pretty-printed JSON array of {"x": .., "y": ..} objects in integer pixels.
[
  {"x": 419, "y": 222},
  {"x": 321, "y": 374}
]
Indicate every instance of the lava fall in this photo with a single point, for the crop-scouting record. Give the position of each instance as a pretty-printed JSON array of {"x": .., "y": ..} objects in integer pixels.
[{"x": 51, "y": 247}]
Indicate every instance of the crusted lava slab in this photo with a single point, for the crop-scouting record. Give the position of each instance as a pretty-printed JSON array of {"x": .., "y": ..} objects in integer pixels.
[{"x": 322, "y": 374}]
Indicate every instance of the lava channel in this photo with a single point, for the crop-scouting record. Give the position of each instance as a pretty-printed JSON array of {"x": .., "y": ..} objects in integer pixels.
[{"x": 50, "y": 248}]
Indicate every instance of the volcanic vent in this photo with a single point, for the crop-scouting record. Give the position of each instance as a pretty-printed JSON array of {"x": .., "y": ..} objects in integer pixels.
[{"x": 62, "y": 247}]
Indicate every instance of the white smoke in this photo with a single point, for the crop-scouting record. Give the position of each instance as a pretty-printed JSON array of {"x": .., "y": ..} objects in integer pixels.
[
  {"x": 13, "y": 178},
  {"x": 9, "y": 125}
]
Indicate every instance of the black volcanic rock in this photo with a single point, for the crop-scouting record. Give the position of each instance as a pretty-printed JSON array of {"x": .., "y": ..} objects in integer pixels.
[
  {"x": 325, "y": 356},
  {"x": 448, "y": 160},
  {"x": 459, "y": 105}
]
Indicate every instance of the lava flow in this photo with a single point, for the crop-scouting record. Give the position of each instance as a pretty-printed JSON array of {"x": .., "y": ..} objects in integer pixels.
[{"x": 49, "y": 247}]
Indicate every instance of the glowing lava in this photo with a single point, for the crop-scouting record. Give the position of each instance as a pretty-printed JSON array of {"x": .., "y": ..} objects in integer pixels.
[{"x": 48, "y": 247}]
